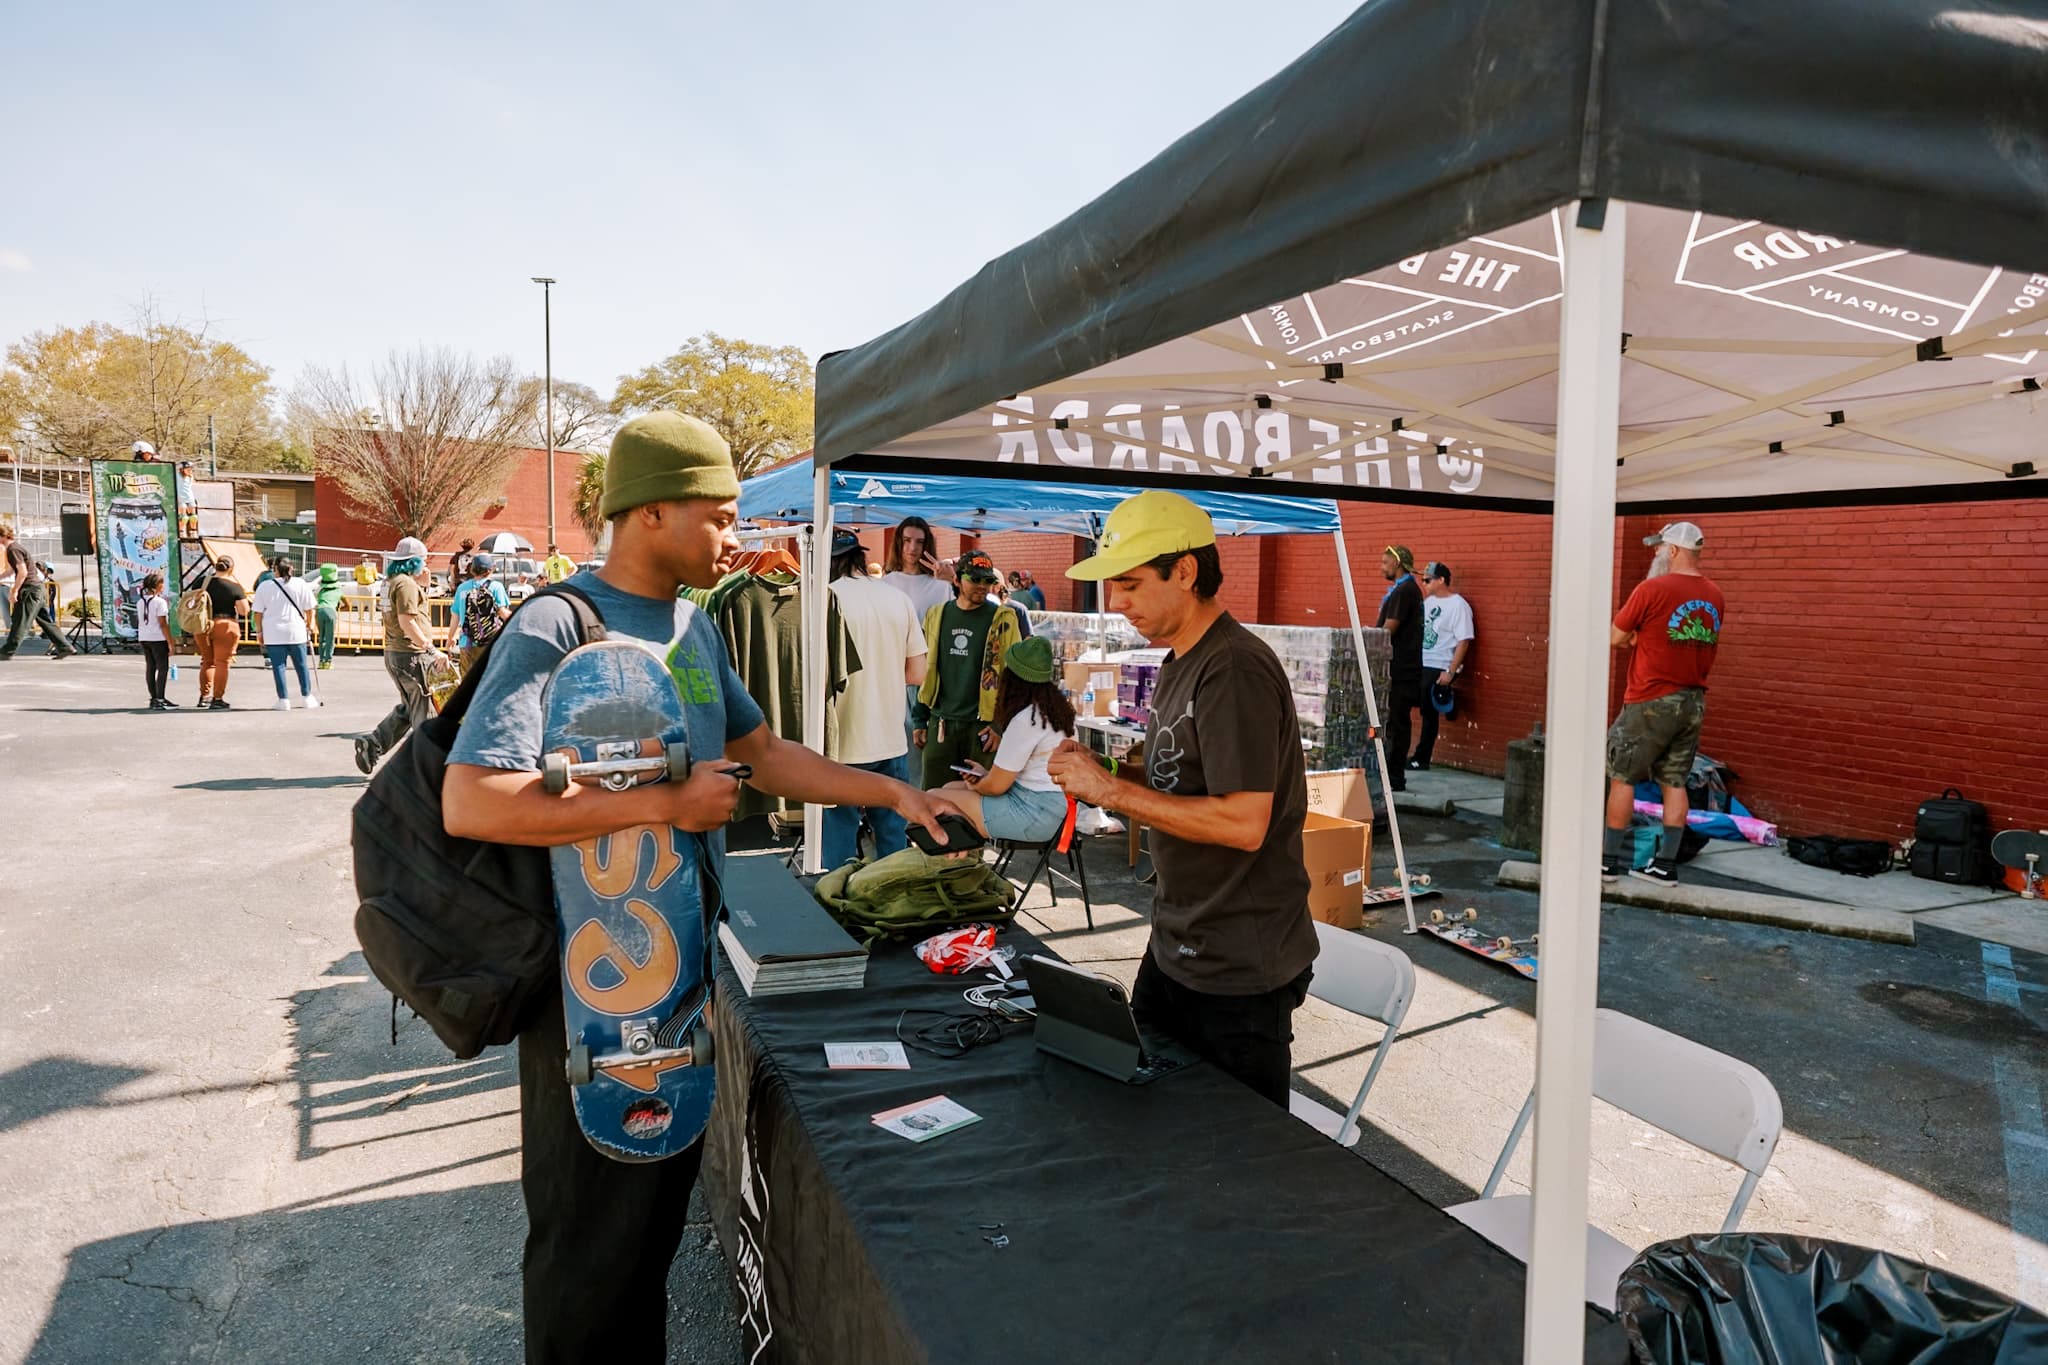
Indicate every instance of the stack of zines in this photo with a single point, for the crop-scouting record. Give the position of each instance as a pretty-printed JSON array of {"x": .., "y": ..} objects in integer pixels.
[{"x": 790, "y": 946}]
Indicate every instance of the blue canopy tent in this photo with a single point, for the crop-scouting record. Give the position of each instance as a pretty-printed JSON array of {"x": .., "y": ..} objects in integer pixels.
[{"x": 991, "y": 505}]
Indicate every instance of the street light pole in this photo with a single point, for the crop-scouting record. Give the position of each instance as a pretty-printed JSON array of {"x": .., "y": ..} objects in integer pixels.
[{"x": 547, "y": 324}]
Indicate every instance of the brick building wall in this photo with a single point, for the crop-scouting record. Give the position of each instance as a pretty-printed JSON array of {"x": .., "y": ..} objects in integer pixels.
[
  {"x": 1873, "y": 656},
  {"x": 524, "y": 513}
]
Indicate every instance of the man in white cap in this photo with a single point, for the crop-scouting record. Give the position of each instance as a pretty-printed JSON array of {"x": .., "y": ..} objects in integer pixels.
[
  {"x": 1223, "y": 790},
  {"x": 1671, "y": 624},
  {"x": 409, "y": 651}
]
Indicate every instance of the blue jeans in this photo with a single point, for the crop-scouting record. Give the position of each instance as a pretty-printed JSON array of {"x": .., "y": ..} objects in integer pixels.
[
  {"x": 277, "y": 654},
  {"x": 842, "y": 823}
]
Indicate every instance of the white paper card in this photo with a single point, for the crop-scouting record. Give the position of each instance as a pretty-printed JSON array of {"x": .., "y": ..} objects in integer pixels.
[
  {"x": 926, "y": 1118},
  {"x": 866, "y": 1057}
]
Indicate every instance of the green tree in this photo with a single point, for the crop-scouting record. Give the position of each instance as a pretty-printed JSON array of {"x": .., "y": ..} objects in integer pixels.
[
  {"x": 91, "y": 392},
  {"x": 589, "y": 495},
  {"x": 758, "y": 397}
]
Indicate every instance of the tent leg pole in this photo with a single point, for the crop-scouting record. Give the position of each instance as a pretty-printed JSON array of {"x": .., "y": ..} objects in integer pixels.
[
  {"x": 817, "y": 560},
  {"x": 1581, "y": 605},
  {"x": 1372, "y": 715}
]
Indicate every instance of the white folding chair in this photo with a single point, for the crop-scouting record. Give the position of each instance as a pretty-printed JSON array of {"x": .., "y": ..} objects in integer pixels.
[
  {"x": 1366, "y": 977},
  {"x": 1692, "y": 1092}
]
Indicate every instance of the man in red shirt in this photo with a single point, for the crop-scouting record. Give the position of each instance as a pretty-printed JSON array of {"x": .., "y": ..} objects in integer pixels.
[{"x": 1671, "y": 624}]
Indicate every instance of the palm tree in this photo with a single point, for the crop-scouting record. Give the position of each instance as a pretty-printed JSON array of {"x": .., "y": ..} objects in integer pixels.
[{"x": 589, "y": 495}]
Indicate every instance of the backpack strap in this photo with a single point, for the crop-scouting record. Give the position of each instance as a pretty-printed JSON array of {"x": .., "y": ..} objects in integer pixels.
[{"x": 589, "y": 627}]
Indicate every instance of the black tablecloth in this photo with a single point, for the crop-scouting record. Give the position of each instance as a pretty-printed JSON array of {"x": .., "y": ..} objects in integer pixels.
[{"x": 1183, "y": 1221}]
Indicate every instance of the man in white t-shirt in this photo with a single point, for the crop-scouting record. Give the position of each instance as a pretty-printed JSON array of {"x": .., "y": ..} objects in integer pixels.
[
  {"x": 890, "y": 643},
  {"x": 1446, "y": 637}
]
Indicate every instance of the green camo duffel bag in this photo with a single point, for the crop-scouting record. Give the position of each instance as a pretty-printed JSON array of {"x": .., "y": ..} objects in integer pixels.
[{"x": 912, "y": 894}]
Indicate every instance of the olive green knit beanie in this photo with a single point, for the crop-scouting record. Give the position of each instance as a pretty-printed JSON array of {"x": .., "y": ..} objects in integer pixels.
[{"x": 663, "y": 456}]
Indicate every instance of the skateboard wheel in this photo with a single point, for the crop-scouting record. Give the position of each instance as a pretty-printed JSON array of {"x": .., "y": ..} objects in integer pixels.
[
  {"x": 1533, "y": 939},
  {"x": 579, "y": 1064},
  {"x": 1504, "y": 943},
  {"x": 1419, "y": 879},
  {"x": 678, "y": 761},
  {"x": 1470, "y": 914},
  {"x": 701, "y": 1051},
  {"x": 1436, "y": 917},
  {"x": 554, "y": 773}
]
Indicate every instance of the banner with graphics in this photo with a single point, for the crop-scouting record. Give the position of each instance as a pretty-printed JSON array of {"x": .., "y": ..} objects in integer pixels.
[{"x": 134, "y": 507}]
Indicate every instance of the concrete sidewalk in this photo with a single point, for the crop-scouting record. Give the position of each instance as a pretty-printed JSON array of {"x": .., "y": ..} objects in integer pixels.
[{"x": 1742, "y": 881}]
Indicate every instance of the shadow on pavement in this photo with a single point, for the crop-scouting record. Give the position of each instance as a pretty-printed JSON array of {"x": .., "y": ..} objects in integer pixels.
[
  {"x": 1889, "y": 1054},
  {"x": 265, "y": 784},
  {"x": 357, "y": 1268}
]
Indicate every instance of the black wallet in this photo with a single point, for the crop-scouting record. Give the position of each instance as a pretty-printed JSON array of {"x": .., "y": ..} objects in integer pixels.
[{"x": 961, "y": 837}]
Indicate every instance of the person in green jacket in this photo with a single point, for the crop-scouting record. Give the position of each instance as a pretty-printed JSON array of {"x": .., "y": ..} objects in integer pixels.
[
  {"x": 325, "y": 602},
  {"x": 953, "y": 722}
]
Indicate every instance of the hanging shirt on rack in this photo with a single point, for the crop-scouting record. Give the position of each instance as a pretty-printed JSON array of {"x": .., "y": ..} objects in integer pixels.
[{"x": 762, "y": 622}]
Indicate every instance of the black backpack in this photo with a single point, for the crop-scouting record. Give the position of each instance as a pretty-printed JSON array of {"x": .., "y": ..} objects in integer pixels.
[
  {"x": 480, "y": 616},
  {"x": 1952, "y": 841},
  {"x": 461, "y": 931}
]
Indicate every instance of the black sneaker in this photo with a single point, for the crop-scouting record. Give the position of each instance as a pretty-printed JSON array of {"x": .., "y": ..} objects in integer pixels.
[
  {"x": 217, "y": 704},
  {"x": 1415, "y": 767},
  {"x": 1663, "y": 871},
  {"x": 1610, "y": 870},
  {"x": 62, "y": 653},
  {"x": 366, "y": 760},
  {"x": 156, "y": 704},
  {"x": 167, "y": 704}
]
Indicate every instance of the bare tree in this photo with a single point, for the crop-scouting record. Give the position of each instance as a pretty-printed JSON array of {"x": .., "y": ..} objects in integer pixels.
[
  {"x": 583, "y": 418},
  {"x": 433, "y": 437}
]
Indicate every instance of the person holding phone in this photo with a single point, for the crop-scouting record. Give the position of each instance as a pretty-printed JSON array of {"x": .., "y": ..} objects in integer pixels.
[{"x": 1015, "y": 797}]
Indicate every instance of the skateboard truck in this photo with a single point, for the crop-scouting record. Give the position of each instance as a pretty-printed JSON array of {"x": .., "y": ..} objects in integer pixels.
[
  {"x": 615, "y": 773},
  {"x": 639, "y": 1046}
]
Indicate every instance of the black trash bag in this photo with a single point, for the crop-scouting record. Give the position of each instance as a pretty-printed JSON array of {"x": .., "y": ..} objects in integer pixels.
[{"x": 1767, "y": 1299}]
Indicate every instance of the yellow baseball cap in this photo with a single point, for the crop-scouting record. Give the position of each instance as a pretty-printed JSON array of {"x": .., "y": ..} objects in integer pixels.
[{"x": 1141, "y": 529}]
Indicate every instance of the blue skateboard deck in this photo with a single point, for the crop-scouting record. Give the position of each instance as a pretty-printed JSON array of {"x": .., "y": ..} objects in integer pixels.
[
  {"x": 1460, "y": 931},
  {"x": 631, "y": 907}
]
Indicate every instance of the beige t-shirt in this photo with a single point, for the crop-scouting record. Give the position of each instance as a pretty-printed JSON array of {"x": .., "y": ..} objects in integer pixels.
[
  {"x": 886, "y": 635},
  {"x": 402, "y": 597}
]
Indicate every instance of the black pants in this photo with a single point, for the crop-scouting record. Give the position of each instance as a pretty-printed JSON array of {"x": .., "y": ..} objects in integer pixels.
[
  {"x": 1245, "y": 1036},
  {"x": 600, "y": 1234},
  {"x": 156, "y": 666},
  {"x": 1426, "y": 746},
  {"x": 1403, "y": 696}
]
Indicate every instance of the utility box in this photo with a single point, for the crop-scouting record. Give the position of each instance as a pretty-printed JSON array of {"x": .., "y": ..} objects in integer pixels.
[{"x": 1521, "y": 810}]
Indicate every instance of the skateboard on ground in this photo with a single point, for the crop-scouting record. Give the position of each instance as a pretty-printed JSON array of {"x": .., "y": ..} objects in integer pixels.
[
  {"x": 634, "y": 942},
  {"x": 2024, "y": 852},
  {"x": 1418, "y": 888},
  {"x": 1460, "y": 931}
]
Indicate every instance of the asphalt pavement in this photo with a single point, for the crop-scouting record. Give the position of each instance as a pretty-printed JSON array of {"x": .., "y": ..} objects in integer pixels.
[{"x": 210, "y": 1148}]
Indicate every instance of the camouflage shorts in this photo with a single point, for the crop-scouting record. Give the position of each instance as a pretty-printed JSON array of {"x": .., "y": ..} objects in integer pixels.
[{"x": 1657, "y": 738}]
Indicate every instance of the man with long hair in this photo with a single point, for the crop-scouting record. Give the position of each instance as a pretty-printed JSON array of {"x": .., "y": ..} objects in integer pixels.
[{"x": 912, "y": 566}]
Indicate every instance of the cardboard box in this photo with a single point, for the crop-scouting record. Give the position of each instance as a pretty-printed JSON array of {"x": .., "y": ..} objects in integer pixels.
[
  {"x": 1077, "y": 680},
  {"x": 1330, "y": 846},
  {"x": 1345, "y": 793}
]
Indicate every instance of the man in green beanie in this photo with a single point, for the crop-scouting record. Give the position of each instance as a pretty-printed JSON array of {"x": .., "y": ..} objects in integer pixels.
[{"x": 600, "y": 1233}]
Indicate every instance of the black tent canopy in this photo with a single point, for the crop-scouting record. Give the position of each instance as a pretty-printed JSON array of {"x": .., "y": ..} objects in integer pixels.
[{"x": 1557, "y": 255}]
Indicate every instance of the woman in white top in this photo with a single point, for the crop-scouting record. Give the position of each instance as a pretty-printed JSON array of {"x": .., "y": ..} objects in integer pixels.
[
  {"x": 1016, "y": 799},
  {"x": 285, "y": 606},
  {"x": 153, "y": 632}
]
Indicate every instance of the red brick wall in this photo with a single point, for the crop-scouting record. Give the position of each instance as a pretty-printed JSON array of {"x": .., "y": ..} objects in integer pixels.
[
  {"x": 524, "y": 513},
  {"x": 1872, "y": 656}
]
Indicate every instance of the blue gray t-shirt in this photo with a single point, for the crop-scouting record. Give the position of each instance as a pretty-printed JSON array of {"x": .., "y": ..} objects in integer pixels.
[{"x": 502, "y": 728}]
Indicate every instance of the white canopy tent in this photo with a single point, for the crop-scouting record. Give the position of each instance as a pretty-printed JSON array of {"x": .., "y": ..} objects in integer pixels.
[{"x": 1571, "y": 257}]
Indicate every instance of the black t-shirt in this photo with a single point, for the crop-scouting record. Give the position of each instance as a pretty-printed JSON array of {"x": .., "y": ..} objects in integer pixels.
[
  {"x": 1403, "y": 606},
  {"x": 1226, "y": 921},
  {"x": 26, "y": 571},
  {"x": 223, "y": 592}
]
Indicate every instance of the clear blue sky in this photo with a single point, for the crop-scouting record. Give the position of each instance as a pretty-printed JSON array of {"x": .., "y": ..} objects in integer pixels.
[{"x": 327, "y": 182}]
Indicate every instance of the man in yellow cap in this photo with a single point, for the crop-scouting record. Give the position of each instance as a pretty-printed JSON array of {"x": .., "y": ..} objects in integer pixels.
[
  {"x": 1222, "y": 789},
  {"x": 601, "y": 1233}
]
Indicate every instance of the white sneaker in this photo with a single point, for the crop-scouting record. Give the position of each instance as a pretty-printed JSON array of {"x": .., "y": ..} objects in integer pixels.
[
  {"x": 281, "y": 704},
  {"x": 310, "y": 703}
]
